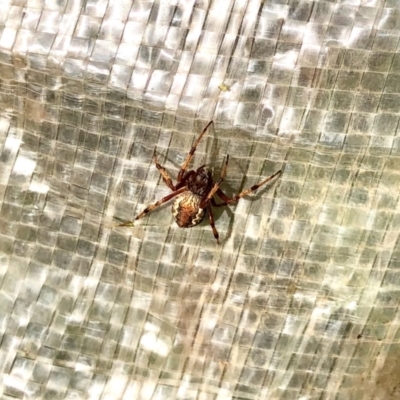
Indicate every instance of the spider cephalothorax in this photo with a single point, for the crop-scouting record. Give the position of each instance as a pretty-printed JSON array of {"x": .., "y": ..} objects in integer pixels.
[
  {"x": 194, "y": 192},
  {"x": 200, "y": 182}
]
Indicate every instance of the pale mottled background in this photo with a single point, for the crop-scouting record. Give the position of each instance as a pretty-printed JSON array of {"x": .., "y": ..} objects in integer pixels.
[{"x": 300, "y": 301}]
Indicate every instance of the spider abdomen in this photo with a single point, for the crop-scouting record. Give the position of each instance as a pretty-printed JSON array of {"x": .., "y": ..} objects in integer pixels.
[{"x": 186, "y": 210}]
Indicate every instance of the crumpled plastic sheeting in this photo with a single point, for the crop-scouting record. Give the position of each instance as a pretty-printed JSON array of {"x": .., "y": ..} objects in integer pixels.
[{"x": 300, "y": 300}]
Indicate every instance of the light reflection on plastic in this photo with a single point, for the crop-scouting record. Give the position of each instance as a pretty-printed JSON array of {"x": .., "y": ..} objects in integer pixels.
[
  {"x": 286, "y": 60},
  {"x": 211, "y": 322},
  {"x": 14, "y": 382},
  {"x": 12, "y": 143},
  {"x": 290, "y": 324},
  {"x": 318, "y": 311},
  {"x": 151, "y": 342},
  {"x": 39, "y": 187},
  {"x": 156, "y": 97},
  {"x": 287, "y": 120},
  {"x": 224, "y": 394},
  {"x": 115, "y": 386},
  {"x": 24, "y": 166},
  {"x": 4, "y": 124},
  {"x": 151, "y": 327},
  {"x": 80, "y": 366},
  {"x": 352, "y": 305},
  {"x": 7, "y": 39}
]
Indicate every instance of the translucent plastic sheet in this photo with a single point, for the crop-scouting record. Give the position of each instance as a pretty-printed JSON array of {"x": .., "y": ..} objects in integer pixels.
[{"x": 300, "y": 299}]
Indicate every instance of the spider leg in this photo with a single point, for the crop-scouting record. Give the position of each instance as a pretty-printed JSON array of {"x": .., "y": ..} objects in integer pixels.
[
  {"x": 166, "y": 178},
  {"x": 220, "y": 194},
  {"x": 212, "y": 222},
  {"x": 217, "y": 184},
  {"x": 244, "y": 193},
  {"x": 214, "y": 203},
  {"x": 155, "y": 205},
  {"x": 191, "y": 152}
]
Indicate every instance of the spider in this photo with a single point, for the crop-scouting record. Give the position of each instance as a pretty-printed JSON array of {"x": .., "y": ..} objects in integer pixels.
[{"x": 194, "y": 192}]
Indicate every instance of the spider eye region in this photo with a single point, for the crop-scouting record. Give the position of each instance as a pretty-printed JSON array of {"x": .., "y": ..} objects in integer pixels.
[
  {"x": 186, "y": 210},
  {"x": 200, "y": 183}
]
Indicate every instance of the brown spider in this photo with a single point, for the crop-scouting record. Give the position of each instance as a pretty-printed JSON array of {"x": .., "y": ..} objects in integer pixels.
[{"x": 195, "y": 190}]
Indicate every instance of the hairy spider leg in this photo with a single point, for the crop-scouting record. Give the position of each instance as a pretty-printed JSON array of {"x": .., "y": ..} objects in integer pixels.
[
  {"x": 226, "y": 200},
  {"x": 166, "y": 178},
  {"x": 217, "y": 184},
  {"x": 155, "y": 205},
  {"x": 191, "y": 152},
  {"x": 212, "y": 222}
]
